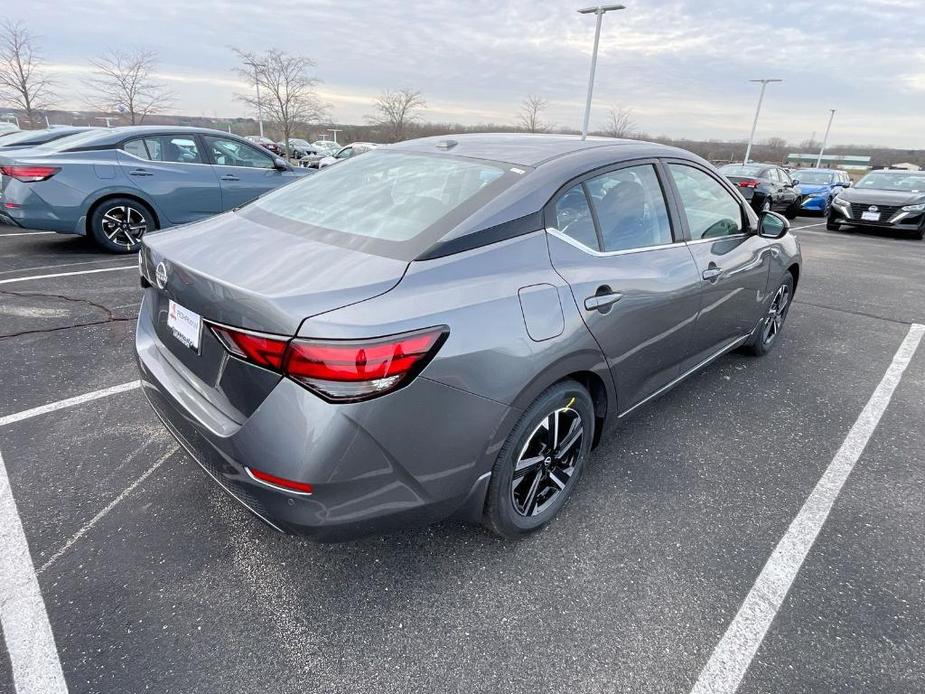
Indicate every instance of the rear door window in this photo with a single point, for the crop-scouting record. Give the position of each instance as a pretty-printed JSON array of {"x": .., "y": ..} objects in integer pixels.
[
  {"x": 574, "y": 218},
  {"x": 631, "y": 209},
  {"x": 177, "y": 149}
]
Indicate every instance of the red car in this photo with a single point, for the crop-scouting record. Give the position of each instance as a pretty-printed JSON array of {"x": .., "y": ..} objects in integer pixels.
[{"x": 267, "y": 143}]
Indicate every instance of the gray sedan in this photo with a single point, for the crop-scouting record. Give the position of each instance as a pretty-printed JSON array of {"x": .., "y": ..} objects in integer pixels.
[
  {"x": 116, "y": 184},
  {"x": 446, "y": 327}
]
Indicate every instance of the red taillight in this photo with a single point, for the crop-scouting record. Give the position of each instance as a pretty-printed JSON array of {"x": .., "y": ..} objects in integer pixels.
[
  {"x": 355, "y": 370},
  {"x": 748, "y": 183},
  {"x": 263, "y": 350},
  {"x": 338, "y": 370},
  {"x": 29, "y": 174},
  {"x": 279, "y": 482}
]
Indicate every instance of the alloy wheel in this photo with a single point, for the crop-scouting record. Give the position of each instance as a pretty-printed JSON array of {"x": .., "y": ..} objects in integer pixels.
[
  {"x": 124, "y": 225},
  {"x": 547, "y": 461},
  {"x": 776, "y": 314}
]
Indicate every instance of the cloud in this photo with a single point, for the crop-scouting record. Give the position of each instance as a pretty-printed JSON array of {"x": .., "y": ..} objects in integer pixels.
[{"x": 682, "y": 65}]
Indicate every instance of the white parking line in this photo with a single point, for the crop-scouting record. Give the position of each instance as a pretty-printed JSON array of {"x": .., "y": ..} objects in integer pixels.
[
  {"x": 68, "y": 402},
  {"x": 109, "y": 507},
  {"x": 29, "y": 639},
  {"x": 807, "y": 226},
  {"x": 68, "y": 274},
  {"x": 733, "y": 655},
  {"x": 28, "y": 233}
]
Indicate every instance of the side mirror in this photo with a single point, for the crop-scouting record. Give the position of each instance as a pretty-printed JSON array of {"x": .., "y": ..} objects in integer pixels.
[
  {"x": 796, "y": 181},
  {"x": 772, "y": 225},
  {"x": 280, "y": 164}
]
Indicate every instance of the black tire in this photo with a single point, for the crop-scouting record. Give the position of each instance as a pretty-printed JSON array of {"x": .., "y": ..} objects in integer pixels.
[
  {"x": 831, "y": 224},
  {"x": 792, "y": 211},
  {"x": 117, "y": 224},
  {"x": 509, "y": 511},
  {"x": 920, "y": 234},
  {"x": 767, "y": 333}
]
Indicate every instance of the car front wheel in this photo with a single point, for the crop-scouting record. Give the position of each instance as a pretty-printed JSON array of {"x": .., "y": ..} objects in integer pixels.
[
  {"x": 118, "y": 224},
  {"x": 831, "y": 223},
  {"x": 541, "y": 461}
]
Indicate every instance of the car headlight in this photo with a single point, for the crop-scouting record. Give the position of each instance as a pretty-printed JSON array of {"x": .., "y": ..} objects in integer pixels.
[
  {"x": 918, "y": 207},
  {"x": 841, "y": 203}
]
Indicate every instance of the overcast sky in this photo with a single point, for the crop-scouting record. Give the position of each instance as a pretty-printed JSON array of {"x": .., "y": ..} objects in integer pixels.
[{"x": 682, "y": 66}]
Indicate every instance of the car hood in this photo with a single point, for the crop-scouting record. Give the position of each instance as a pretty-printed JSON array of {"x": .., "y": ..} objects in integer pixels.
[
  {"x": 807, "y": 189},
  {"x": 243, "y": 273},
  {"x": 872, "y": 196}
]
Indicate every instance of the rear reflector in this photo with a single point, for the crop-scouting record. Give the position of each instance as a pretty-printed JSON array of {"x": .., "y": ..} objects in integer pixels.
[
  {"x": 278, "y": 482},
  {"x": 29, "y": 174},
  {"x": 748, "y": 183},
  {"x": 338, "y": 370}
]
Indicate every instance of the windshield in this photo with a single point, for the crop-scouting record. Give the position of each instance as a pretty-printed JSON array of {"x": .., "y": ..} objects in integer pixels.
[
  {"x": 818, "y": 178},
  {"x": 893, "y": 180},
  {"x": 384, "y": 200},
  {"x": 742, "y": 170}
]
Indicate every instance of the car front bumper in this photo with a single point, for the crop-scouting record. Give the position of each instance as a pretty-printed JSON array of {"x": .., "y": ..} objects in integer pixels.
[
  {"x": 415, "y": 456},
  {"x": 900, "y": 221},
  {"x": 814, "y": 204}
]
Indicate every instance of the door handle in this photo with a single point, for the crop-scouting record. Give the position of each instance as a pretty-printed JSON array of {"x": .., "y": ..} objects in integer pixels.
[
  {"x": 711, "y": 273},
  {"x": 229, "y": 177},
  {"x": 601, "y": 302},
  {"x": 140, "y": 172}
]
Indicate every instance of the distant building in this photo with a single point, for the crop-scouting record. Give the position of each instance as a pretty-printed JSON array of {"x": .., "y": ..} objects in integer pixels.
[
  {"x": 847, "y": 162},
  {"x": 906, "y": 167}
]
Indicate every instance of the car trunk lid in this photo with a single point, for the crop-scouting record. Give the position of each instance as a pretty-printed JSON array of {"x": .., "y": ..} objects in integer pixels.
[{"x": 240, "y": 273}]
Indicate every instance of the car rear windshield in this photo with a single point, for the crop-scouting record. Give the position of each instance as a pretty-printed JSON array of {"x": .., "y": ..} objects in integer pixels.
[
  {"x": 817, "y": 178},
  {"x": 893, "y": 180},
  {"x": 387, "y": 203},
  {"x": 742, "y": 170}
]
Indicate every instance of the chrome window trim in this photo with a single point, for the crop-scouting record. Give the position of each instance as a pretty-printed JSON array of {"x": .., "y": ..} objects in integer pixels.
[
  {"x": 714, "y": 239},
  {"x": 606, "y": 254},
  {"x": 158, "y": 161}
]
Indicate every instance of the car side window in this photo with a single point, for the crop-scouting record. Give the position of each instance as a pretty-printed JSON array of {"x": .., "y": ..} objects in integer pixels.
[
  {"x": 631, "y": 209},
  {"x": 136, "y": 148},
  {"x": 178, "y": 150},
  {"x": 773, "y": 175},
  {"x": 228, "y": 152},
  {"x": 345, "y": 153},
  {"x": 574, "y": 219},
  {"x": 711, "y": 210}
]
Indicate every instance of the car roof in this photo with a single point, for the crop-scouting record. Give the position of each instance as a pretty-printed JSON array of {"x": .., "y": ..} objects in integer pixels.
[
  {"x": 110, "y": 136},
  {"x": 525, "y": 149},
  {"x": 814, "y": 169}
]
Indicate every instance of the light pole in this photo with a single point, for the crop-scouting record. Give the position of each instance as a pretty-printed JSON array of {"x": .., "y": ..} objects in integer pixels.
[
  {"x": 825, "y": 138},
  {"x": 751, "y": 138},
  {"x": 334, "y": 135},
  {"x": 600, "y": 11},
  {"x": 254, "y": 64}
]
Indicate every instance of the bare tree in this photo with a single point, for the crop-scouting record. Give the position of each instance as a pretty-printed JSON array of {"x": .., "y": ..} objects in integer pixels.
[
  {"x": 125, "y": 83},
  {"x": 397, "y": 111},
  {"x": 529, "y": 116},
  {"x": 22, "y": 80},
  {"x": 289, "y": 97},
  {"x": 619, "y": 123},
  {"x": 777, "y": 148}
]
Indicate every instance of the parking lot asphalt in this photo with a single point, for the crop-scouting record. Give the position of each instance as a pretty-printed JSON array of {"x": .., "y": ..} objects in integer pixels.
[{"x": 155, "y": 580}]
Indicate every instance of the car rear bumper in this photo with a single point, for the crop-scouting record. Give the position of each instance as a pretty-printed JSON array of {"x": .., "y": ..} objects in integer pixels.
[
  {"x": 412, "y": 457},
  {"x": 32, "y": 211}
]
